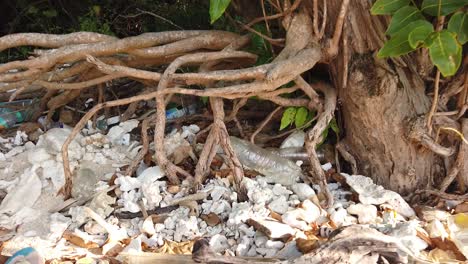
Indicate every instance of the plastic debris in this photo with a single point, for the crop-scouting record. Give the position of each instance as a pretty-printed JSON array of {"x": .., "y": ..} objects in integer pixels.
[
  {"x": 26, "y": 255},
  {"x": 275, "y": 168}
]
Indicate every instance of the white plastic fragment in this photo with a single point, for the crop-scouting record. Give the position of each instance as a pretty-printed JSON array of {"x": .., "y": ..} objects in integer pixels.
[
  {"x": 370, "y": 193},
  {"x": 296, "y": 139},
  {"x": 459, "y": 231},
  {"x": 436, "y": 229}
]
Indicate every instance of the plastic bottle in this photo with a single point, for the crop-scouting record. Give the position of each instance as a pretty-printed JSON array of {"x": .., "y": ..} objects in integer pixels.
[
  {"x": 274, "y": 167},
  {"x": 9, "y": 118},
  {"x": 177, "y": 112}
]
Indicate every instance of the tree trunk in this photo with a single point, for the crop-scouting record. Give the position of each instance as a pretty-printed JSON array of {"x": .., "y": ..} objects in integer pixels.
[{"x": 379, "y": 101}]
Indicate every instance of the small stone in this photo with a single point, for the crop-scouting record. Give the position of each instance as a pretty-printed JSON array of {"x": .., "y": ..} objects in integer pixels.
[
  {"x": 280, "y": 190},
  {"x": 267, "y": 252},
  {"x": 38, "y": 155},
  {"x": 260, "y": 240},
  {"x": 289, "y": 251},
  {"x": 338, "y": 217},
  {"x": 366, "y": 212},
  {"x": 148, "y": 226},
  {"x": 279, "y": 205},
  {"x": 243, "y": 247},
  {"x": 303, "y": 191},
  {"x": 274, "y": 244},
  {"x": 219, "y": 243}
]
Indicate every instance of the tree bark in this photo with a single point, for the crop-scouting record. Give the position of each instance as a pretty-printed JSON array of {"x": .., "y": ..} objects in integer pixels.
[{"x": 379, "y": 101}]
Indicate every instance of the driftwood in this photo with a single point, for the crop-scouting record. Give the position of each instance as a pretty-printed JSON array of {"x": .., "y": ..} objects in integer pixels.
[{"x": 348, "y": 245}]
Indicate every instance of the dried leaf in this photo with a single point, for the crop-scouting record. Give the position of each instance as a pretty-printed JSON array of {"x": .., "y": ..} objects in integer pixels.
[
  {"x": 173, "y": 189},
  {"x": 79, "y": 241},
  {"x": 305, "y": 245},
  {"x": 178, "y": 248},
  {"x": 211, "y": 219},
  {"x": 461, "y": 208}
]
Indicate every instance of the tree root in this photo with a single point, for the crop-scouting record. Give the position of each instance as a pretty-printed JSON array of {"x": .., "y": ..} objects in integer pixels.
[{"x": 223, "y": 72}]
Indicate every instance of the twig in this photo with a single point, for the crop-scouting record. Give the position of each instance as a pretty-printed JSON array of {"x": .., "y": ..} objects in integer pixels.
[
  {"x": 145, "y": 142},
  {"x": 263, "y": 124},
  {"x": 434, "y": 101},
  {"x": 332, "y": 49}
]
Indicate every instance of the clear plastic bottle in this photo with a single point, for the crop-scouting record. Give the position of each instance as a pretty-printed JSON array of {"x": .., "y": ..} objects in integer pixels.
[{"x": 275, "y": 168}]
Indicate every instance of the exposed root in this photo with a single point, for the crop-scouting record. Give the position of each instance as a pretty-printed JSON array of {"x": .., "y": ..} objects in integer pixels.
[{"x": 314, "y": 136}]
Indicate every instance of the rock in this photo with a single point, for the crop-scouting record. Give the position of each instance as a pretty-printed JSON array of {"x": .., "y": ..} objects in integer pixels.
[
  {"x": 338, "y": 217},
  {"x": 217, "y": 192},
  {"x": 370, "y": 193},
  {"x": 84, "y": 183},
  {"x": 280, "y": 190},
  {"x": 274, "y": 244},
  {"x": 116, "y": 134},
  {"x": 243, "y": 247},
  {"x": 303, "y": 191},
  {"x": 267, "y": 252},
  {"x": 148, "y": 226},
  {"x": 292, "y": 219},
  {"x": 127, "y": 183},
  {"x": 219, "y": 243},
  {"x": 289, "y": 251},
  {"x": 54, "y": 138},
  {"x": 150, "y": 175},
  {"x": 272, "y": 229},
  {"x": 366, "y": 212},
  {"x": 279, "y": 205},
  {"x": 24, "y": 194},
  {"x": 38, "y": 155}
]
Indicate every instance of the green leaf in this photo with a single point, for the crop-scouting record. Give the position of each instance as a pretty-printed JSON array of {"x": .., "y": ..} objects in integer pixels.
[
  {"x": 301, "y": 116},
  {"x": 419, "y": 34},
  {"x": 387, "y": 7},
  {"x": 402, "y": 18},
  {"x": 217, "y": 8},
  {"x": 50, "y": 13},
  {"x": 334, "y": 126},
  {"x": 441, "y": 7},
  {"x": 288, "y": 117},
  {"x": 445, "y": 52},
  {"x": 399, "y": 44},
  {"x": 459, "y": 25}
]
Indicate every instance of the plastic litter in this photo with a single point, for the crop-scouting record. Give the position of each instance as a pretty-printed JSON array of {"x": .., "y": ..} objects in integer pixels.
[
  {"x": 458, "y": 226},
  {"x": 177, "y": 112},
  {"x": 12, "y": 113},
  {"x": 26, "y": 255},
  {"x": 274, "y": 167}
]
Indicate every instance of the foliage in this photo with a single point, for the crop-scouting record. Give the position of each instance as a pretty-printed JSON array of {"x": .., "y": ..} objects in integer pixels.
[
  {"x": 410, "y": 29},
  {"x": 217, "y": 8},
  {"x": 299, "y": 116}
]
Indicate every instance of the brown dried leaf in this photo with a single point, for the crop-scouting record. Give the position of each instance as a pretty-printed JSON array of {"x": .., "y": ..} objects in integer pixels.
[
  {"x": 79, "y": 241},
  {"x": 461, "y": 208},
  {"x": 275, "y": 216},
  {"x": 178, "y": 248},
  {"x": 173, "y": 189},
  {"x": 211, "y": 219},
  {"x": 305, "y": 245},
  {"x": 448, "y": 245}
]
